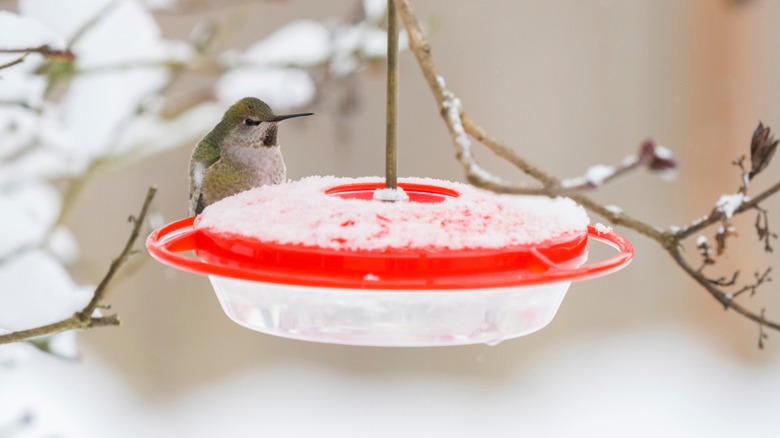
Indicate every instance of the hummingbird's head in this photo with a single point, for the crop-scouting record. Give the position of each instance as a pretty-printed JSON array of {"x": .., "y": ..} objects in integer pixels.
[{"x": 254, "y": 123}]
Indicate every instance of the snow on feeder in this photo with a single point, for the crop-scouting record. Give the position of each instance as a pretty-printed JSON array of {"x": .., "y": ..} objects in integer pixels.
[{"x": 321, "y": 260}]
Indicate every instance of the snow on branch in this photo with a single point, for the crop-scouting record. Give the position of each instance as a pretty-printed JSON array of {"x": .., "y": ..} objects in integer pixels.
[{"x": 652, "y": 156}]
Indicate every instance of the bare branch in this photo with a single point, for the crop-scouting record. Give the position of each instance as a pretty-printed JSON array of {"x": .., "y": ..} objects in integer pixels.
[
  {"x": 495, "y": 145},
  {"x": 18, "y": 60},
  {"x": 723, "y": 298},
  {"x": 85, "y": 318},
  {"x": 761, "y": 278},
  {"x": 72, "y": 323},
  {"x": 102, "y": 287},
  {"x": 723, "y": 282},
  {"x": 44, "y": 50}
]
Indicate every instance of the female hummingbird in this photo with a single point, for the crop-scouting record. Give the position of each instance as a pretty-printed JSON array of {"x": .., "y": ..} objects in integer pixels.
[{"x": 240, "y": 153}]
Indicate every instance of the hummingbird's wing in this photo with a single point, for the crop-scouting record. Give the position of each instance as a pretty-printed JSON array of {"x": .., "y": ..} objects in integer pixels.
[
  {"x": 196, "y": 203},
  {"x": 203, "y": 157}
]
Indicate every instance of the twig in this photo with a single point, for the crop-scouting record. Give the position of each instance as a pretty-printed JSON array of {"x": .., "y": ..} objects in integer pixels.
[
  {"x": 718, "y": 215},
  {"x": 723, "y": 282},
  {"x": 85, "y": 318},
  {"x": 760, "y": 279},
  {"x": 72, "y": 323},
  {"x": 723, "y": 298},
  {"x": 102, "y": 288},
  {"x": 44, "y": 50},
  {"x": 18, "y": 60}
]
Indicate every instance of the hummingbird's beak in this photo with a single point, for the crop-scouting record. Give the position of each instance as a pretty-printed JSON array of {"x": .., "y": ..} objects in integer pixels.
[{"x": 288, "y": 116}]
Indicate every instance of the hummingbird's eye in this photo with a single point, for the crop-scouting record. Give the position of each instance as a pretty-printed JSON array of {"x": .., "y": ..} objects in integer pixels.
[{"x": 250, "y": 122}]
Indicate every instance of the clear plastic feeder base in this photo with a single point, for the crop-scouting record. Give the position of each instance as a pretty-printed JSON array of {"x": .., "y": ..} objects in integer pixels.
[{"x": 389, "y": 318}]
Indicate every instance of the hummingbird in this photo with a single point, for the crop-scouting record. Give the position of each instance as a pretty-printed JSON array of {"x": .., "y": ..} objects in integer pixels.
[{"x": 240, "y": 153}]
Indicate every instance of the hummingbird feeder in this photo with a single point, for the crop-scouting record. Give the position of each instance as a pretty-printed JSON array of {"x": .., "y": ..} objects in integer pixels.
[{"x": 366, "y": 261}]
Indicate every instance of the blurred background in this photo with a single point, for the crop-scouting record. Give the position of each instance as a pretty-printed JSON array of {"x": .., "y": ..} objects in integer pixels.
[{"x": 568, "y": 84}]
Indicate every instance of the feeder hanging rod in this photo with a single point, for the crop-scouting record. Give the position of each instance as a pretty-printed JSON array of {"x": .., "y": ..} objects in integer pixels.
[{"x": 391, "y": 137}]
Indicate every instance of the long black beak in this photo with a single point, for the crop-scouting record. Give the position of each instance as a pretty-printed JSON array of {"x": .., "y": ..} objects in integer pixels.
[{"x": 288, "y": 116}]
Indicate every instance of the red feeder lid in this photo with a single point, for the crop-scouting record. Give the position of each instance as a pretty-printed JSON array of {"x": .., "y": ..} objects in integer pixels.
[{"x": 230, "y": 254}]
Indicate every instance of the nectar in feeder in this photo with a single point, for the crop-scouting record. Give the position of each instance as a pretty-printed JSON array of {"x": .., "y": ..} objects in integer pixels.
[{"x": 321, "y": 260}]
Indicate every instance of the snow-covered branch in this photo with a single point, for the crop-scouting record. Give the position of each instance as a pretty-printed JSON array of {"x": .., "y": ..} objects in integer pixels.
[
  {"x": 462, "y": 129},
  {"x": 651, "y": 156}
]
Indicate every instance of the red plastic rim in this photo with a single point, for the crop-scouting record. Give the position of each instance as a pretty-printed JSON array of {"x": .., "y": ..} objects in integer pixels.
[{"x": 406, "y": 269}]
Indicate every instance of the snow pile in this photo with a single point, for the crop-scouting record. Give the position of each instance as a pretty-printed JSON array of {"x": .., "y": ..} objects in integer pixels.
[
  {"x": 300, "y": 213},
  {"x": 594, "y": 176},
  {"x": 728, "y": 204}
]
